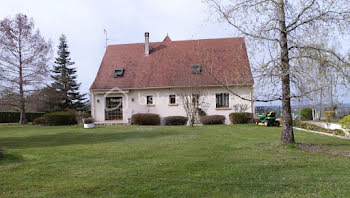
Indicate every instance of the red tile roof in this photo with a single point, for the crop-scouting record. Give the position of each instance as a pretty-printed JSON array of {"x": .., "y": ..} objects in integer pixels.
[
  {"x": 169, "y": 64},
  {"x": 167, "y": 39}
]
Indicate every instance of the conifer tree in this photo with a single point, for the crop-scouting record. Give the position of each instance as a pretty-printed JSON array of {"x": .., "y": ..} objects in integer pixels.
[{"x": 65, "y": 80}]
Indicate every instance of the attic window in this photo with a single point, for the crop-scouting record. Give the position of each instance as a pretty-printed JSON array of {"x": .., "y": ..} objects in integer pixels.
[
  {"x": 196, "y": 69},
  {"x": 118, "y": 72}
]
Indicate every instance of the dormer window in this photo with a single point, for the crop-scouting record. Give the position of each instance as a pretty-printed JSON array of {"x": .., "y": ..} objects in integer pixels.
[
  {"x": 196, "y": 69},
  {"x": 118, "y": 72}
]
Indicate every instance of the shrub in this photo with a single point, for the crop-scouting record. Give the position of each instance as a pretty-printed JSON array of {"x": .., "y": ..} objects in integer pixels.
[
  {"x": 201, "y": 113},
  {"x": 145, "y": 119},
  {"x": 175, "y": 120},
  {"x": 308, "y": 126},
  {"x": 86, "y": 115},
  {"x": 306, "y": 113},
  {"x": 13, "y": 117},
  {"x": 213, "y": 119},
  {"x": 88, "y": 120},
  {"x": 40, "y": 121},
  {"x": 60, "y": 118},
  {"x": 240, "y": 118},
  {"x": 345, "y": 122}
]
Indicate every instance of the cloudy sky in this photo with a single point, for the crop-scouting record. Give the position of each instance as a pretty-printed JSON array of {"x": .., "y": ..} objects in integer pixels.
[{"x": 83, "y": 22}]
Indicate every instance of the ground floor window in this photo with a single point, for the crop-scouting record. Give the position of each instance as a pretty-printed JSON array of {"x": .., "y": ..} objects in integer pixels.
[
  {"x": 114, "y": 108},
  {"x": 172, "y": 99},
  {"x": 149, "y": 99},
  {"x": 222, "y": 100}
]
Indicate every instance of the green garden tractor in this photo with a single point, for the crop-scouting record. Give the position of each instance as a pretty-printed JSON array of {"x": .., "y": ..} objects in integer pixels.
[{"x": 268, "y": 119}]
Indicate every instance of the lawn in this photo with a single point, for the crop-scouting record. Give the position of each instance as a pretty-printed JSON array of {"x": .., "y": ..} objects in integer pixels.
[{"x": 204, "y": 161}]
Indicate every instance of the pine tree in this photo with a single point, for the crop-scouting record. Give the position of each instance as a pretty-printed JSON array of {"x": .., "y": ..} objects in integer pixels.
[{"x": 65, "y": 80}]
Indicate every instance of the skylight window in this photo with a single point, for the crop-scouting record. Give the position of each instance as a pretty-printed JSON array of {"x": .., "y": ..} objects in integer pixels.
[
  {"x": 118, "y": 72},
  {"x": 196, "y": 69}
]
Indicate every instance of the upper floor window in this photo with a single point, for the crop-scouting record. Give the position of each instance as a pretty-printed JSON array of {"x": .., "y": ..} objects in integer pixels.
[
  {"x": 172, "y": 99},
  {"x": 222, "y": 100},
  {"x": 149, "y": 99},
  {"x": 118, "y": 72},
  {"x": 196, "y": 69}
]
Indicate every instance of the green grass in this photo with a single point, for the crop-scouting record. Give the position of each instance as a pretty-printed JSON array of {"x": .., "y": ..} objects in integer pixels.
[{"x": 206, "y": 161}]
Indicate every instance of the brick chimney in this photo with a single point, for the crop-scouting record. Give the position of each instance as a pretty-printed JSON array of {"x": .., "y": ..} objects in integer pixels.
[{"x": 146, "y": 43}]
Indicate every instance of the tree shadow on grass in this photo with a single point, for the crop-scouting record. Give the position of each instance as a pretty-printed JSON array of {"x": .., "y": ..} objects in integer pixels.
[
  {"x": 11, "y": 158},
  {"x": 71, "y": 138}
]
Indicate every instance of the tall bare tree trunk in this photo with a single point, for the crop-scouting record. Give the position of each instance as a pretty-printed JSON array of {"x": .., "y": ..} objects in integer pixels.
[
  {"x": 23, "y": 119},
  {"x": 321, "y": 104},
  {"x": 287, "y": 131},
  {"x": 22, "y": 109}
]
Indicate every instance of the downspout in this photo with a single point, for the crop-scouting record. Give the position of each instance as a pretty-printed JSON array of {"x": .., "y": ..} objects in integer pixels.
[
  {"x": 92, "y": 104},
  {"x": 252, "y": 101}
]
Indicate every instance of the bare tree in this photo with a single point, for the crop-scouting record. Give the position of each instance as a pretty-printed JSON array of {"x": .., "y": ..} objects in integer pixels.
[
  {"x": 327, "y": 81},
  {"x": 282, "y": 33},
  {"x": 24, "y": 56},
  {"x": 192, "y": 99},
  {"x": 240, "y": 108}
]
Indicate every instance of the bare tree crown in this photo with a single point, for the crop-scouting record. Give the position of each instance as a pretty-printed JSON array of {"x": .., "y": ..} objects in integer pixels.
[
  {"x": 24, "y": 57},
  {"x": 307, "y": 24}
]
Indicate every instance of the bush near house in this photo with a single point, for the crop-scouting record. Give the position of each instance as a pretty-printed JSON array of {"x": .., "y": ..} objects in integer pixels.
[
  {"x": 306, "y": 113},
  {"x": 201, "y": 113},
  {"x": 240, "y": 118},
  {"x": 308, "y": 126},
  {"x": 86, "y": 115},
  {"x": 40, "y": 121},
  {"x": 145, "y": 119},
  {"x": 175, "y": 120},
  {"x": 60, "y": 118},
  {"x": 213, "y": 119},
  {"x": 13, "y": 117},
  {"x": 345, "y": 122}
]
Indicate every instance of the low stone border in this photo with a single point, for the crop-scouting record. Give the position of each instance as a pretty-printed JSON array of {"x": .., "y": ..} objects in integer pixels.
[{"x": 322, "y": 133}]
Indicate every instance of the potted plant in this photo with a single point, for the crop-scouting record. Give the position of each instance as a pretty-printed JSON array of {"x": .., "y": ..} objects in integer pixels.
[{"x": 89, "y": 123}]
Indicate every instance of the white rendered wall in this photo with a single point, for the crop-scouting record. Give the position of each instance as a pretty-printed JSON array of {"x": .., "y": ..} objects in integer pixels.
[{"x": 134, "y": 101}]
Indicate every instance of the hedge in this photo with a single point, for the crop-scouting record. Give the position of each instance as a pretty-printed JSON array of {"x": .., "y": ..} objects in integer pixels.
[
  {"x": 60, "y": 118},
  {"x": 13, "y": 117},
  {"x": 145, "y": 119},
  {"x": 40, "y": 121},
  {"x": 175, "y": 120},
  {"x": 240, "y": 118},
  {"x": 213, "y": 119},
  {"x": 306, "y": 113},
  {"x": 308, "y": 126}
]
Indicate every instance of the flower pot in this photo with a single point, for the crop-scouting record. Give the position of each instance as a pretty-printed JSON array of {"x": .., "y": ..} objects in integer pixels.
[{"x": 89, "y": 126}]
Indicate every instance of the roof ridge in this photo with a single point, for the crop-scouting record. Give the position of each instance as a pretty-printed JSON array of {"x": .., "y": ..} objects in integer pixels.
[{"x": 178, "y": 41}]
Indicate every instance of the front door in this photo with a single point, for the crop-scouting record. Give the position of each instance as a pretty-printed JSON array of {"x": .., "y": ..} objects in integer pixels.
[{"x": 114, "y": 108}]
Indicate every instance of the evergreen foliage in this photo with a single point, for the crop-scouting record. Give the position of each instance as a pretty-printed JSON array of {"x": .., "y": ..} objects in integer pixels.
[{"x": 65, "y": 80}]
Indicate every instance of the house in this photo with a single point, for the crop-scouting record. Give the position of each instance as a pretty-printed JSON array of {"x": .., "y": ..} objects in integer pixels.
[{"x": 147, "y": 77}]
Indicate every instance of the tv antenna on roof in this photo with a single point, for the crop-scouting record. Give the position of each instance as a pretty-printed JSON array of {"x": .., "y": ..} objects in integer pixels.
[{"x": 105, "y": 31}]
